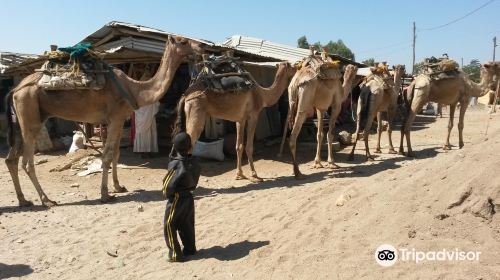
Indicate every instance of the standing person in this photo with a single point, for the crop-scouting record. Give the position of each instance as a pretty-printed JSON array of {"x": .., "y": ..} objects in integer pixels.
[
  {"x": 145, "y": 138},
  {"x": 181, "y": 179}
]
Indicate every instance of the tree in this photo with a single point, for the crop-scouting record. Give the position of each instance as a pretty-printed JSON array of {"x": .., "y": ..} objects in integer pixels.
[
  {"x": 473, "y": 70},
  {"x": 302, "y": 43},
  {"x": 338, "y": 48},
  {"x": 369, "y": 62}
]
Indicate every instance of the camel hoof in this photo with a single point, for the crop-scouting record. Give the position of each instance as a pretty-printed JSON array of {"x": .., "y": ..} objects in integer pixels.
[
  {"x": 350, "y": 157},
  {"x": 369, "y": 158},
  {"x": 461, "y": 145},
  {"x": 447, "y": 147},
  {"x": 317, "y": 165},
  {"x": 107, "y": 198},
  {"x": 25, "y": 203},
  {"x": 401, "y": 152},
  {"x": 120, "y": 189},
  {"x": 410, "y": 154},
  {"x": 378, "y": 151},
  {"x": 332, "y": 165},
  {"x": 299, "y": 176},
  {"x": 241, "y": 177},
  {"x": 49, "y": 203},
  {"x": 256, "y": 179},
  {"x": 393, "y": 152}
]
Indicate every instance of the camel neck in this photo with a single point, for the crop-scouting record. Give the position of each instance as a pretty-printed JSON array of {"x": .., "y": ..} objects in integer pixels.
[
  {"x": 347, "y": 85},
  {"x": 271, "y": 94},
  {"x": 150, "y": 91}
]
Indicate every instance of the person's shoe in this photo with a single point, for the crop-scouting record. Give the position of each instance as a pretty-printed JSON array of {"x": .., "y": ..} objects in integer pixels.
[{"x": 188, "y": 252}]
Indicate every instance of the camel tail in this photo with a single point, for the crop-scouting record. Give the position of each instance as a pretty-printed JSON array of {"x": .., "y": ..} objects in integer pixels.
[
  {"x": 12, "y": 124},
  {"x": 364, "y": 106},
  {"x": 180, "y": 123}
]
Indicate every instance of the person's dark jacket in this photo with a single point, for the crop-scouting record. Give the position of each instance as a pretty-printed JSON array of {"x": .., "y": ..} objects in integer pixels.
[{"x": 182, "y": 176}]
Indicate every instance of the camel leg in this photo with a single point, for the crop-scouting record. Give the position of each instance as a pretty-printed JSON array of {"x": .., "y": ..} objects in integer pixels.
[
  {"x": 366, "y": 134},
  {"x": 334, "y": 113},
  {"x": 285, "y": 129},
  {"x": 108, "y": 154},
  {"x": 463, "y": 108},
  {"x": 28, "y": 163},
  {"x": 299, "y": 120},
  {"x": 447, "y": 145},
  {"x": 319, "y": 138},
  {"x": 240, "y": 133},
  {"x": 356, "y": 138},
  {"x": 252, "y": 124},
  {"x": 379, "y": 132},
  {"x": 114, "y": 169},
  {"x": 12, "y": 162},
  {"x": 391, "y": 112}
]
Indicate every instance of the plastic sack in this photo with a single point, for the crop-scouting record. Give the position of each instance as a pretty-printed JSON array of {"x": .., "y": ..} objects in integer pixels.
[{"x": 209, "y": 150}]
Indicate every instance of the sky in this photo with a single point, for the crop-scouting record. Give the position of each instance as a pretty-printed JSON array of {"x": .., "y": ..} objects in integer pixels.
[{"x": 371, "y": 29}]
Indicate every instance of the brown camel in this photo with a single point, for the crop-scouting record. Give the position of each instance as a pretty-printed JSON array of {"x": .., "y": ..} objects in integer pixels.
[
  {"x": 382, "y": 97},
  {"x": 307, "y": 93},
  {"x": 34, "y": 106},
  {"x": 242, "y": 108},
  {"x": 448, "y": 91}
]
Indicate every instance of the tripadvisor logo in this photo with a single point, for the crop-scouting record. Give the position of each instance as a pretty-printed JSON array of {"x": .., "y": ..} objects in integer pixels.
[{"x": 387, "y": 255}]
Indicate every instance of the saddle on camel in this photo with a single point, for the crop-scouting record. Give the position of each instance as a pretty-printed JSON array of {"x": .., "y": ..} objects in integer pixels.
[
  {"x": 77, "y": 67},
  {"x": 224, "y": 74}
]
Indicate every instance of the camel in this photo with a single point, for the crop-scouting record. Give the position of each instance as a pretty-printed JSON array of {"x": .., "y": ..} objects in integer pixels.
[
  {"x": 378, "y": 96},
  {"x": 306, "y": 93},
  {"x": 33, "y": 106},
  {"x": 242, "y": 107},
  {"x": 450, "y": 91}
]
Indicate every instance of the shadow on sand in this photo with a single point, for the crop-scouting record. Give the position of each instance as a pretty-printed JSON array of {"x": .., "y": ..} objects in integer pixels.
[
  {"x": 14, "y": 270},
  {"x": 231, "y": 252}
]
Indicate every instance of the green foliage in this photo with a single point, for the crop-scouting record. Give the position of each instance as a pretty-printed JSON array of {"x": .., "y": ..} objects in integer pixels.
[
  {"x": 332, "y": 47},
  {"x": 302, "y": 43},
  {"x": 473, "y": 69},
  {"x": 369, "y": 62}
]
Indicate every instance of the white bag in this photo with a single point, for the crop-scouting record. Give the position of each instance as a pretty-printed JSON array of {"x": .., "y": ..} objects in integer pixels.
[{"x": 210, "y": 150}]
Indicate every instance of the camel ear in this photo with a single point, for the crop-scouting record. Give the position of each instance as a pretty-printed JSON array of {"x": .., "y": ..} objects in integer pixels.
[{"x": 171, "y": 39}]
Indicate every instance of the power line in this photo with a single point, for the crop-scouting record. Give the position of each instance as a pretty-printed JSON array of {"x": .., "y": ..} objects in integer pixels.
[
  {"x": 460, "y": 18},
  {"x": 382, "y": 48}
]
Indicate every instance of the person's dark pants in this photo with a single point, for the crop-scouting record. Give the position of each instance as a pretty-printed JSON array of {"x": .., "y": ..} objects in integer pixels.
[{"x": 179, "y": 217}]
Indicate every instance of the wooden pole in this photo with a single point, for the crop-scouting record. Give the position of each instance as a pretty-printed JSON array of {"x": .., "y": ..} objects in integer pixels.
[
  {"x": 494, "y": 47},
  {"x": 414, "y": 39}
]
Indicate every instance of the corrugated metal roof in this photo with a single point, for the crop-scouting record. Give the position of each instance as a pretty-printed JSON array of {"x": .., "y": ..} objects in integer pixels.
[
  {"x": 266, "y": 48},
  {"x": 273, "y": 50},
  {"x": 9, "y": 59},
  {"x": 108, "y": 29}
]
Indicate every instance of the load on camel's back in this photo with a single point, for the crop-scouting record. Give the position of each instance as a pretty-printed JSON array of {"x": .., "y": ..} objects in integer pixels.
[{"x": 77, "y": 67}]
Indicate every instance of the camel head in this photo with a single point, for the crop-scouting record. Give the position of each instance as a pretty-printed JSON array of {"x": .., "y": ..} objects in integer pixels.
[
  {"x": 488, "y": 71},
  {"x": 350, "y": 72},
  {"x": 289, "y": 69},
  {"x": 183, "y": 47},
  {"x": 398, "y": 68}
]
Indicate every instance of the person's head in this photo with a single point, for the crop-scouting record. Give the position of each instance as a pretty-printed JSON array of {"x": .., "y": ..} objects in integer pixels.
[{"x": 182, "y": 143}]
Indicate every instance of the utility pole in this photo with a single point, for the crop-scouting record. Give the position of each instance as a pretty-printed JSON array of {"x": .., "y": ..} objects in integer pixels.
[
  {"x": 462, "y": 62},
  {"x": 494, "y": 46},
  {"x": 414, "y": 39}
]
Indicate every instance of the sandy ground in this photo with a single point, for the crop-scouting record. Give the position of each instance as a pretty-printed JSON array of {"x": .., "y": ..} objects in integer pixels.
[{"x": 279, "y": 229}]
